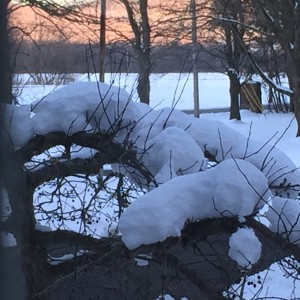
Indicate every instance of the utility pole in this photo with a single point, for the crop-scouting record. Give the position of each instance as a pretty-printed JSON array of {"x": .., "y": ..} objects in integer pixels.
[
  {"x": 102, "y": 40},
  {"x": 194, "y": 58}
]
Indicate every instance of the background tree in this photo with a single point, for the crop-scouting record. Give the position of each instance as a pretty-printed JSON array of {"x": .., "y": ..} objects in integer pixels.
[
  {"x": 228, "y": 36},
  {"x": 139, "y": 22},
  {"x": 281, "y": 19}
]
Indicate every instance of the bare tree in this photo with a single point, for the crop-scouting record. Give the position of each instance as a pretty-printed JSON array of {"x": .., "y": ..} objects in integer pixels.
[
  {"x": 137, "y": 13},
  {"x": 282, "y": 21},
  {"x": 228, "y": 39}
]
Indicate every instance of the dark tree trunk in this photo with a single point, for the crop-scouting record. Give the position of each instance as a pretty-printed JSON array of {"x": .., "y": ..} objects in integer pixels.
[
  {"x": 234, "y": 90},
  {"x": 5, "y": 71},
  {"x": 143, "y": 87},
  {"x": 141, "y": 45},
  {"x": 295, "y": 100},
  {"x": 293, "y": 61},
  {"x": 20, "y": 261}
]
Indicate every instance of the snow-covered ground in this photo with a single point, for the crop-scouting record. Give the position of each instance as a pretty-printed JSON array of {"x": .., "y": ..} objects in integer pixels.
[
  {"x": 276, "y": 129},
  {"x": 166, "y": 89}
]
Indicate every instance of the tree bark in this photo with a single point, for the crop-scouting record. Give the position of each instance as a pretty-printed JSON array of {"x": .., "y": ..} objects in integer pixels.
[
  {"x": 234, "y": 90},
  {"x": 141, "y": 45},
  {"x": 143, "y": 87},
  {"x": 195, "y": 266},
  {"x": 5, "y": 68}
]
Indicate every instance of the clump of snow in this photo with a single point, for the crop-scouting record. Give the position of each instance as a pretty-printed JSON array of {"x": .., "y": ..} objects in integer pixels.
[
  {"x": 142, "y": 260},
  {"x": 7, "y": 239},
  {"x": 55, "y": 261},
  {"x": 171, "y": 153},
  {"x": 245, "y": 248},
  {"x": 163, "y": 211},
  {"x": 18, "y": 126},
  {"x": 79, "y": 104},
  {"x": 222, "y": 143},
  {"x": 43, "y": 228},
  {"x": 283, "y": 215}
]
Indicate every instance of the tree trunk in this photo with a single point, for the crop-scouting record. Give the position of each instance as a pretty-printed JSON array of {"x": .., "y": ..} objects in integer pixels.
[
  {"x": 296, "y": 104},
  {"x": 234, "y": 90},
  {"x": 141, "y": 45},
  {"x": 294, "y": 80},
  {"x": 143, "y": 87},
  {"x": 5, "y": 71},
  {"x": 24, "y": 264}
]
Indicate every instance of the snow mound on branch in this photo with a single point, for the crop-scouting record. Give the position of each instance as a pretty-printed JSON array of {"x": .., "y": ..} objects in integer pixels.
[
  {"x": 163, "y": 211},
  {"x": 18, "y": 126},
  {"x": 98, "y": 107},
  {"x": 75, "y": 106},
  {"x": 222, "y": 143},
  {"x": 284, "y": 216},
  {"x": 171, "y": 153},
  {"x": 245, "y": 248}
]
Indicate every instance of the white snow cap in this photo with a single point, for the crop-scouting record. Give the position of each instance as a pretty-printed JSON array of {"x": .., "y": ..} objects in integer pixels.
[
  {"x": 233, "y": 188},
  {"x": 171, "y": 153},
  {"x": 283, "y": 215},
  {"x": 245, "y": 248}
]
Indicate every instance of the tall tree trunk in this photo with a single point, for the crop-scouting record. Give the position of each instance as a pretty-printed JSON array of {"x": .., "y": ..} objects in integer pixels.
[
  {"x": 20, "y": 261},
  {"x": 143, "y": 87},
  {"x": 18, "y": 268},
  {"x": 141, "y": 44},
  {"x": 234, "y": 90},
  {"x": 293, "y": 67},
  {"x": 5, "y": 71},
  {"x": 295, "y": 101}
]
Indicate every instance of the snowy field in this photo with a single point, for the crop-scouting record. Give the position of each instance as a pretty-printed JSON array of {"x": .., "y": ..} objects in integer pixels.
[
  {"x": 166, "y": 89},
  {"x": 176, "y": 90}
]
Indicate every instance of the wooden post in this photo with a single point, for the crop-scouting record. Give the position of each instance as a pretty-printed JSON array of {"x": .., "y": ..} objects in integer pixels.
[{"x": 194, "y": 58}]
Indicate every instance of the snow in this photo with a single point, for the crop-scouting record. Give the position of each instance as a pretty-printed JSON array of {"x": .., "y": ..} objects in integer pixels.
[
  {"x": 258, "y": 151},
  {"x": 55, "y": 261},
  {"x": 245, "y": 248},
  {"x": 283, "y": 215},
  {"x": 213, "y": 193},
  {"x": 42, "y": 228},
  {"x": 158, "y": 137},
  {"x": 166, "y": 158}
]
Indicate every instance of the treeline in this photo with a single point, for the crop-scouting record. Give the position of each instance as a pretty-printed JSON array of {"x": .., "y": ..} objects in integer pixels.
[{"x": 63, "y": 57}]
